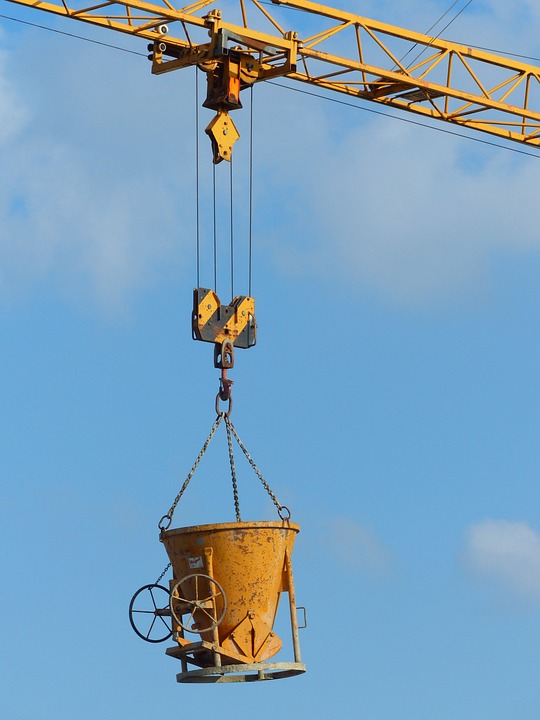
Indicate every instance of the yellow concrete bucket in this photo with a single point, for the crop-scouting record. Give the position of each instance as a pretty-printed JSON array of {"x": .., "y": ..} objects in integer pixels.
[{"x": 227, "y": 582}]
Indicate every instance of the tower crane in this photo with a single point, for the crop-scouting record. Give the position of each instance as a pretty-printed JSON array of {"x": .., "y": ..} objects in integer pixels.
[
  {"x": 228, "y": 578},
  {"x": 249, "y": 42}
]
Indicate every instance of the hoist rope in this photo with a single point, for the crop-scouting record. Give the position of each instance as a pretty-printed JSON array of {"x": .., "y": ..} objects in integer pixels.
[
  {"x": 197, "y": 206},
  {"x": 250, "y": 258},
  {"x": 231, "y": 210},
  {"x": 215, "y": 225}
]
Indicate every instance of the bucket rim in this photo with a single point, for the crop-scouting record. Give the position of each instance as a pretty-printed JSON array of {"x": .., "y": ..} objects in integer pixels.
[{"x": 243, "y": 525}]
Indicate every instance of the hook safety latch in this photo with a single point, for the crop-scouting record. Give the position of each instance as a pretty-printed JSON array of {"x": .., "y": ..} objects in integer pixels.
[{"x": 225, "y": 387}]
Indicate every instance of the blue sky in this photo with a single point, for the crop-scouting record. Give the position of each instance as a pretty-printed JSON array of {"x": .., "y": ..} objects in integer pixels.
[{"x": 391, "y": 400}]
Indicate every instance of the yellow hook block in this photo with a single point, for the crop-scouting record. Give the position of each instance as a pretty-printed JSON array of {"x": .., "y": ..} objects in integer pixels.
[{"x": 223, "y": 134}]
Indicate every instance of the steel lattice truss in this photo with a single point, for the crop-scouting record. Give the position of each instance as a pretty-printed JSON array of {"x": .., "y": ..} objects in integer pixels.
[{"x": 335, "y": 50}]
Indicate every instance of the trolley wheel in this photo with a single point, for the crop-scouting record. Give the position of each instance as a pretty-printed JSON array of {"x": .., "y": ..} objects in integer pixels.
[
  {"x": 148, "y": 610},
  {"x": 201, "y": 598}
]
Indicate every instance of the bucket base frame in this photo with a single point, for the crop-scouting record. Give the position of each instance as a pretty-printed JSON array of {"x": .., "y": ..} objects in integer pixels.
[{"x": 255, "y": 672}]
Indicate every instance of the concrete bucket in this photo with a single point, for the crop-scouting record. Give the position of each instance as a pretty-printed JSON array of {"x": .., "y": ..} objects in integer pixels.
[{"x": 227, "y": 582}]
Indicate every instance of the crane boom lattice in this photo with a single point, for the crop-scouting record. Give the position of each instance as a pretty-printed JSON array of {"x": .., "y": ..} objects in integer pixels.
[{"x": 330, "y": 49}]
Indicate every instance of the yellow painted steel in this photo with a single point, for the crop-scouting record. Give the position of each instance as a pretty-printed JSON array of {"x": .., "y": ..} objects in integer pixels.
[
  {"x": 235, "y": 325},
  {"x": 207, "y": 307},
  {"x": 217, "y": 323},
  {"x": 363, "y": 58},
  {"x": 223, "y": 134},
  {"x": 251, "y": 562}
]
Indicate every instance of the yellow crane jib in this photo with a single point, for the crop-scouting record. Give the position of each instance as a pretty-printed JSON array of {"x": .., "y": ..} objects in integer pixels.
[
  {"x": 448, "y": 81},
  {"x": 217, "y": 323},
  {"x": 231, "y": 65}
]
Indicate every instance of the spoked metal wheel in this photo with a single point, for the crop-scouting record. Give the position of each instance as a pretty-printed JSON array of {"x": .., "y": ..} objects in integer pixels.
[
  {"x": 148, "y": 613},
  {"x": 202, "y": 599}
]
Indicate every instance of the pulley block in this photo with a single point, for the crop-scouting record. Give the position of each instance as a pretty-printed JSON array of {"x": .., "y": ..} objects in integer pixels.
[{"x": 217, "y": 323}]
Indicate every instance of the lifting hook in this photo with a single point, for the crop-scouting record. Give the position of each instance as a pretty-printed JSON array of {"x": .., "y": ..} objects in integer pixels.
[{"x": 224, "y": 360}]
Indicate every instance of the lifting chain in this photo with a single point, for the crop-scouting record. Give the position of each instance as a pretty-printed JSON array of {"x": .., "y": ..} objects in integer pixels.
[
  {"x": 283, "y": 511},
  {"x": 160, "y": 578},
  {"x": 233, "y": 470},
  {"x": 224, "y": 359},
  {"x": 168, "y": 517}
]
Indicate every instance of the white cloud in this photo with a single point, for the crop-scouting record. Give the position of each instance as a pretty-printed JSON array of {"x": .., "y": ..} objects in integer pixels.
[
  {"x": 92, "y": 200},
  {"x": 411, "y": 213},
  {"x": 13, "y": 114},
  {"x": 408, "y": 212},
  {"x": 508, "y": 553},
  {"x": 356, "y": 547},
  {"x": 98, "y": 191}
]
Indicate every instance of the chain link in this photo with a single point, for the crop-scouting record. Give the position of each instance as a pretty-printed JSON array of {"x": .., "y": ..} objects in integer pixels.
[
  {"x": 162, "y": 574},
  {"x": 283, "y": 512},
  {"x": 170, "y": 514},
  {"x": 280, "y": 508},
  {"x": 233, "y": 470}
]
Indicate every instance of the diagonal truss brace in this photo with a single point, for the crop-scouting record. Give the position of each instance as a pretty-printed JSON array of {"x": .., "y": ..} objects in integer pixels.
[{"x": 350, "y": 54}]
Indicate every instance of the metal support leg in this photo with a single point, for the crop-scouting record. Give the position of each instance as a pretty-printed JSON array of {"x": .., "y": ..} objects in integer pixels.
[{"x": 292, "y": 608}]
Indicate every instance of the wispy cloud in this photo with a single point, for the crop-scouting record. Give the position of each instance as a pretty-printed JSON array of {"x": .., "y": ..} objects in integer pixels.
[
  {"x": 508, "y": 553},
  {"x": 410, "y": 213},
  {"x": 356, "y": 547},
  {"x": 99, "y": 188},
  {"x": 13, "y": 114},
  {"x": 407, "y": 212},
  {"x": 92, "y": 204}
]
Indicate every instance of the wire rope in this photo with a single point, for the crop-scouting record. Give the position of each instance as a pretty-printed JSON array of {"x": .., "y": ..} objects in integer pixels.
[
  {"x": 250, "y": 254},
  {"x": 231, "y": 211},
  {"x": 452, "y": 6},
  {"x": 500, "y": 146},
  {"x": 197, "y": 180},
  {"x": 496, "y": 51},
  {"x": 72, "y": 35},
  {"x": 215, "y": 224},
  {"x": 405, "y": 120},
  {"x": 440, "y": 31}
]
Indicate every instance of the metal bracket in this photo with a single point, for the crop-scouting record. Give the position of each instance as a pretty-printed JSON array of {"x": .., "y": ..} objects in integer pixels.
[
  {"x": 223, "y": 134},
  {"x": 216, "y": 323},
  {"x": 224, "y": 356}
]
